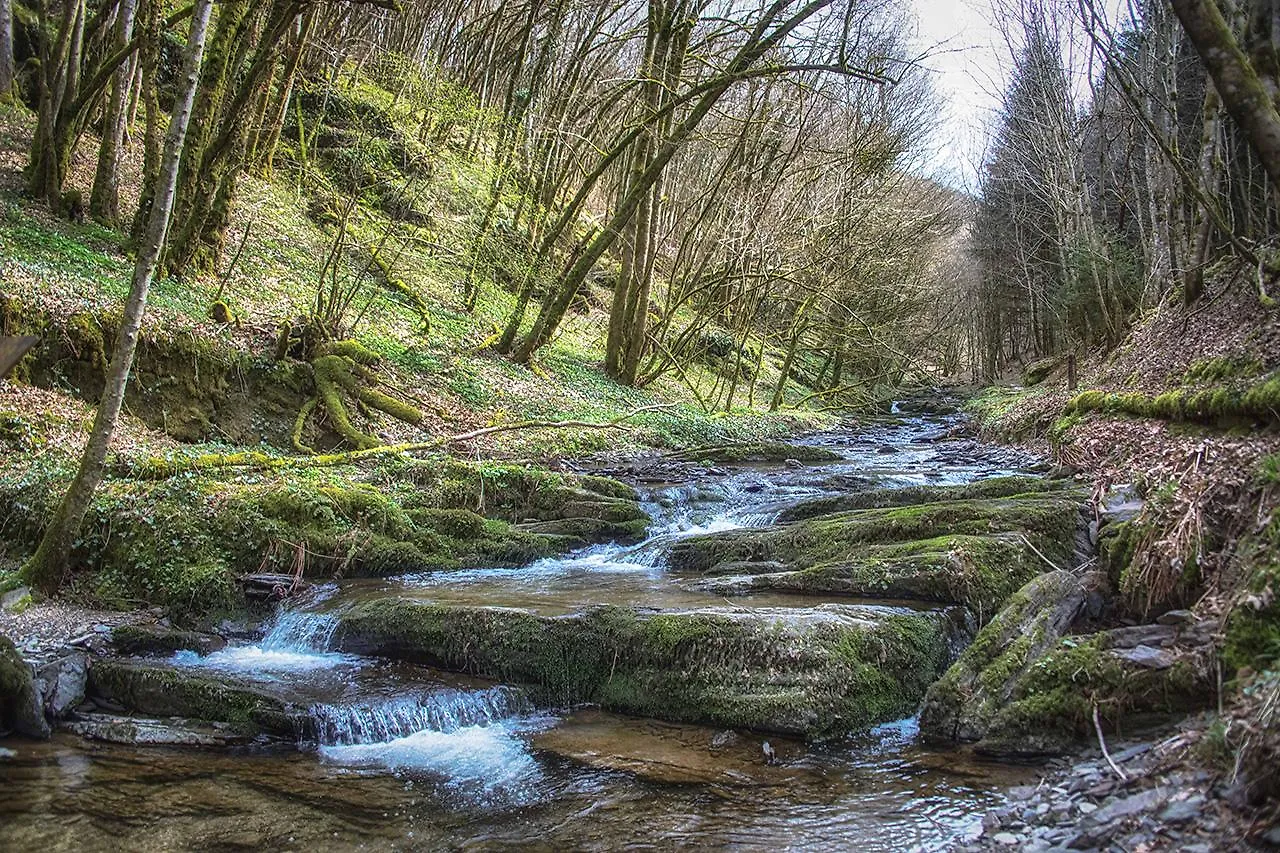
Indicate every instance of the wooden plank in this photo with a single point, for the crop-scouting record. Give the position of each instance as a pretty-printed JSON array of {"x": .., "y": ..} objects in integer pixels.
[{"x": 12, "y": 349}]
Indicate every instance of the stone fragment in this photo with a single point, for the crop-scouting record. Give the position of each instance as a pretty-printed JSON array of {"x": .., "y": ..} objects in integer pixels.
[
  {"x": 1129, "y": 806},
  {"x": 1176, "y": 617},
  {"x": 61, "y": 683},
  {"x": 16, "y": 600},
  {"x": 1145, "y": 657}
]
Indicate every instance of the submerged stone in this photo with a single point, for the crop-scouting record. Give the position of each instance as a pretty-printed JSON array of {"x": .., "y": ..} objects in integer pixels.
[{"x": 814, "y": 673}]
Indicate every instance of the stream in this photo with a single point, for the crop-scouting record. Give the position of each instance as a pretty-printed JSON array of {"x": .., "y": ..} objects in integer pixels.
[{"x": 408, "y": 757}]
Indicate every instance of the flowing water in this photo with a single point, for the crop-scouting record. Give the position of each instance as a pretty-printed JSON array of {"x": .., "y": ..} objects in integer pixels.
[{"x": 406, "y": 757}]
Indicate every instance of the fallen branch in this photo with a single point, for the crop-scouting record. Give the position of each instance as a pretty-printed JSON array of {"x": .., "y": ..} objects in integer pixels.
[
  {"x": 159, "y": 469},
  {"x": 1102, "y": 742}
]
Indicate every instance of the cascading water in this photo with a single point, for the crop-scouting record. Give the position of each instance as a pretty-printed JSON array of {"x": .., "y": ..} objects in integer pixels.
[{"x": 418, "y": 750}]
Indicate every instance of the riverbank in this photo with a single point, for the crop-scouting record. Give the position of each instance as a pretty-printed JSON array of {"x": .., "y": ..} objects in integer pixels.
[{"x": 929, "y": 500}]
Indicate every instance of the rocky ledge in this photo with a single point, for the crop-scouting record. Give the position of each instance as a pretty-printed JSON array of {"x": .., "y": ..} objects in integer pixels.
[{"x": 813, "y": 672}]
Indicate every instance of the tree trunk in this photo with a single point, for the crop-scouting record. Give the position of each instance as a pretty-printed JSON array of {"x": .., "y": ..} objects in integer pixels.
[
  {"x": 6, "y": 49},
  {"x": 49, "y": 564},
  {"x": 1237, "y": 82},
  {"x": 104, "y": 201}
]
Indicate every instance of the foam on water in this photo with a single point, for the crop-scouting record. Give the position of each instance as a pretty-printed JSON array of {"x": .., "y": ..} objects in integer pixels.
[
  {"x": 250, "y": 659},
  {"x": 399, "y": 717},
  {"x": 484, "y": 764}
]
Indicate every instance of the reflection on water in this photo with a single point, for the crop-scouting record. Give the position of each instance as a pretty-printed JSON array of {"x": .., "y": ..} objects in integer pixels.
[
  {"x": 595, "y": 782},
  {"x": 408, "y": 758}
]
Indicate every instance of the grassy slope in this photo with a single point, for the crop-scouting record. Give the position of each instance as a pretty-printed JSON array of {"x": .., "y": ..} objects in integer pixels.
[{"x": 64, "y": 268}]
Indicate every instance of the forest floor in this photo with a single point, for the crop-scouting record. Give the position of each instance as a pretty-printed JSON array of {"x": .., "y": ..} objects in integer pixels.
[
  {"x": 1204, "y": 543},
  {"x": 207, "y": 388}
]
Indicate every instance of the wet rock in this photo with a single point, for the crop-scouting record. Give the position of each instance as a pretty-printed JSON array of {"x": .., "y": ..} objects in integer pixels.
[
  {"x": 1006, "y": 839},
  {"x": 670, "y": 753},
  {"x": 966, "y": 703},
  {"x": 61, "y": 684},
  {"x": 158, "y": 690},
  {"x": 864, "y": 498},
  {"x": 20, "y": 707},
  {"x": 141, "y": 731},
  {"x": 823, "y": 671},
  {"x": 1120, "y": 504},
  {"x": 141, "y": 640},
  {"x": 974, "y": 552}
]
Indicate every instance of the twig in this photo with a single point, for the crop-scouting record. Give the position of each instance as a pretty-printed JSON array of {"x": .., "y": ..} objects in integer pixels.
[
  {"x": 1049, "y": 562},
  {"x": 1102, "y": 742}
]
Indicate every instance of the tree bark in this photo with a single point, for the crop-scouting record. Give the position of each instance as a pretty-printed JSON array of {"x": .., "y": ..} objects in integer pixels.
[
  {"x": 6, "y": 48},
  {"x": 104, "y": 201},
  {"x": 1237, "y": 82},
  {"x": 48, "y": 565}
]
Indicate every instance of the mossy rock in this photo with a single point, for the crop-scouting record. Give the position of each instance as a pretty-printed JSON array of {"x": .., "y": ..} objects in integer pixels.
[
  {"x": 758, "y": 452},
  {"x": 167, "y": 691},
  {"x": 863, "y": 550},
  {"x": 21, "y": 710},
  {"x": 994, "y": 487},
  {"x": 1038, "y": 371},
  {"x": 1026, "y": 688},
  {"x": 815, "y": 673},
  {"x": 962, "y": 705},
  {"x": 980, "y": 572},
  {"x": 1253, "y": 624},
  {"x": 139, "y": 640}
]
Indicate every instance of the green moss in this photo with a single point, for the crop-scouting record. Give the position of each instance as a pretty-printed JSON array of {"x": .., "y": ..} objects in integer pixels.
[
  {"x": 1048, "y": 521},
  {"x": 1221, "y": 368},
  {"x": 1253, "y": 624},
  {"x": 169, "y": 691},
  {"x": 354, "y": 350},
  {"x": 815, "y": 678},
  {"x": 1260, "y": 401}
]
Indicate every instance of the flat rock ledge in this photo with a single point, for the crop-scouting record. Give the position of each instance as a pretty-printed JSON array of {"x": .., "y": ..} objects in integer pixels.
[{"x": 814, "y": 673}]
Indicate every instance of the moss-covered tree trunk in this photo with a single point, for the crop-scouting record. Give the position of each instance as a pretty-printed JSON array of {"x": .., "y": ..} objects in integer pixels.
[
  {"x": 49, "y": 564},
  {"x": 104, "y": 201},
  {"x": 1243, "y": 94}
]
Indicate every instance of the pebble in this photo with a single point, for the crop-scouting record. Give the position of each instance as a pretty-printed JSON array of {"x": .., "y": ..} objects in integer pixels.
[
  {"x": 1182, "y": 810},
  {"x": 1008, "y": 839},
  {"x": 1087, "y": 808}
]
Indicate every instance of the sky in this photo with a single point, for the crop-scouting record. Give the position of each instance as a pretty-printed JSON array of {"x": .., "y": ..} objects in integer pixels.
[{"x": 968, "y": 61}]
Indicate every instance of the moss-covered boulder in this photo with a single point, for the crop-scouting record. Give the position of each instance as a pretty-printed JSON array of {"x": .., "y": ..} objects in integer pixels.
[
  {"x": 977, "y": 571},
  {"x": 757, "y": 452},
  {"x": 1026, "y": 688},
  {"x": 962, "y": 705},
  {"x": 993, "y": 487},
  {"x": 140, "y": 640},
  {"x": 167, "y": 691},
  {"x": 180, "y": 539},
  {"x": 967, "y": 551},
  {"x": 815, "y": 673},
  {"x": 21, "y": 710}
]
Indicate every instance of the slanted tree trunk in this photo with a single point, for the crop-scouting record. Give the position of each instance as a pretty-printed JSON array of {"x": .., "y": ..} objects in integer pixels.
[
  {"x": 48, "y": 565},
  {"x": 1243, "y": 94}
]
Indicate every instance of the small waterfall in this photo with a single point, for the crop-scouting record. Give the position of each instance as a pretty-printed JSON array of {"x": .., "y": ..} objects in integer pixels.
[
  {"x": 301, "y": 631},
  {"x": 443, "y": 711}
]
